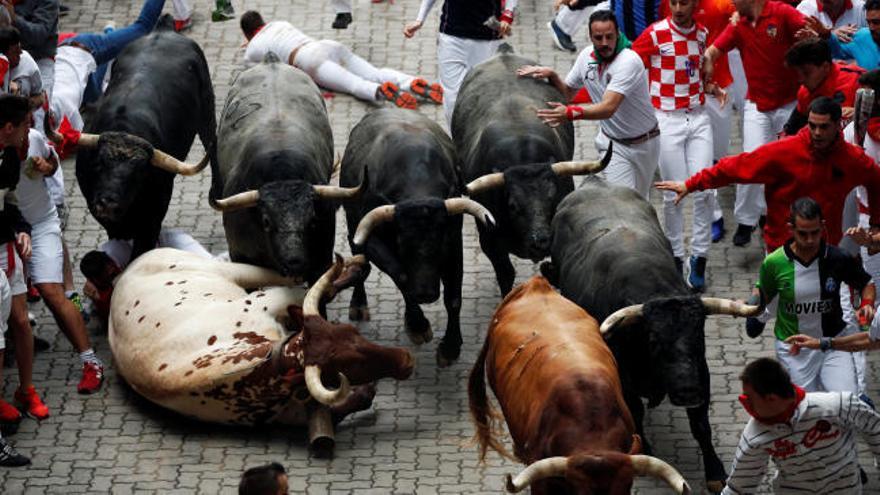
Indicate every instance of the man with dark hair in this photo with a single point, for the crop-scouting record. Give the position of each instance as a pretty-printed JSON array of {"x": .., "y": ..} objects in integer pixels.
[
  {"x": 815, "y": 162},
  {"x": 808, "y": 435},
  {"x": 616, "y": 80},
  {"x": 331, "y": 64},
  {"x": 270, "y": 479},
  {"x": 806, "y": 276},
  {"x": 865, "y": 44},
  {"x": 819, "y": 76},
  {"x": 764, "y": 32}
]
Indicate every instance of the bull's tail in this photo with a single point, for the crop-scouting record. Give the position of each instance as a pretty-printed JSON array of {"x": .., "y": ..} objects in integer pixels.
[{"x": 488, "y": 422}]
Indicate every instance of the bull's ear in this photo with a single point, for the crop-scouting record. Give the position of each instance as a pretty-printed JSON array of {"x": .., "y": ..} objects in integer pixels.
[{"x": 296, "y": 316}]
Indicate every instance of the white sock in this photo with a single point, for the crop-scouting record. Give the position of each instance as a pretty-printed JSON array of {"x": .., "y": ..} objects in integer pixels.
[
  {"x": 89, "y": 356},
  {"x": 69, "y": 293}
]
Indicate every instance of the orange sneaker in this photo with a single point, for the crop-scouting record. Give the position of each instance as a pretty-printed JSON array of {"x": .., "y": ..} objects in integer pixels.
[
  {"x": 395, "y": 95},
  {"x": 433, "y": 92},
  {"x": 92, "y": 377},
  {"x": 31, "y": 403}
]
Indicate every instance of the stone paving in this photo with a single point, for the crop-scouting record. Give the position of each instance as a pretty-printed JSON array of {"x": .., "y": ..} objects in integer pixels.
[{"x": 416, "y": 437}]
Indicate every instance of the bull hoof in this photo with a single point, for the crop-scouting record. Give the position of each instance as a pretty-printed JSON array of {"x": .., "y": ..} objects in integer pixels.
[
  {"x": 447, "y": 355},
  {"x": 359, "y": 313},
  {"x": 419, "y": 336},
  {"x": 715, "y": 486}
]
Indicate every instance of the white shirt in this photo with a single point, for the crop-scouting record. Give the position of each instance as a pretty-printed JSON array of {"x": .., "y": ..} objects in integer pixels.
[
  {"x": 34, "y": 201},
  {"x": 278, "y": 37},
  {"x": 815, "y": 452},
  {"x": 625, "y": 75},
  {"x": 27, "y": 75},
  {"x": 72, "y": 68},
  {"x": 853, "y": 15},
  {"x": 120, "y": 251}
]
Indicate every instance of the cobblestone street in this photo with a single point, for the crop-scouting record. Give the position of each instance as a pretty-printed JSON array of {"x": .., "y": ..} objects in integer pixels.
[{"x": 416, "y": 437}]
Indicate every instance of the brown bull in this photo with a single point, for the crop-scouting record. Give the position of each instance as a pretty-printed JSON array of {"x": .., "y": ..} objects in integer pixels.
[{"x": 558, "y": 387}]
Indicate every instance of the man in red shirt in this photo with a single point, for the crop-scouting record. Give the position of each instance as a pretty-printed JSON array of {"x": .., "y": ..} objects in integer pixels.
[
  {"x": 816, "y": 162},
  {"x": 819, "y": 76},
  {"x": 764, "y": 32}
]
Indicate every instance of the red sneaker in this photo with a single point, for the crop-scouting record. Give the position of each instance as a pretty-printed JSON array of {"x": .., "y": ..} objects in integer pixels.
[
  {"x": 92, "y": 377},
  {"x": 183, "y": 25},
  {"x": 395, "y": 95},
  {"x": 433, "y": 92},
  {"x": 33, "y": 295},
  {"x": 8, "y": 414},
  {"x": 30, "y": 402}
]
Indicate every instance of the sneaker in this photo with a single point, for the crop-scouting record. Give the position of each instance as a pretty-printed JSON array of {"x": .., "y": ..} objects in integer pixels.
[
  {"x": 78, "y": 303},
  {"x": 754, "y": 327},
  {"x": 41, "y": 344},
  {"x": 394, "y": 94},
  {"x": 422, "y": 88},
  {"x": 108, "y": 28},
  {"x": 9, "y": 457},
  {"x": 343, "y": 19},
  {"x": 8, "y": 413},
  {"x": 92, "y": 377},
  {"x": 679, "y": 265},
  {"x": 32, "y": 319},
  {"x": 223, "y": 12},
  {"x": 30, "y": 402},
  {"x": 560, "y": 38},
  {"x": 743, "y": 235},
  {"x": 33, "y": 295},
  {"x": 182, "y": 25},
  {"x": 697, "y": 277},
  {"x": 867, "y": 400},
  {"x": 718, "y": 230}
]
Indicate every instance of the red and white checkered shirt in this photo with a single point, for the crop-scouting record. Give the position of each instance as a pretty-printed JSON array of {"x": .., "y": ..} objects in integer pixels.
[{"x": 673, "y": 60}]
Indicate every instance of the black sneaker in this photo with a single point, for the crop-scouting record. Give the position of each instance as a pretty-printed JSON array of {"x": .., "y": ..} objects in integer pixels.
[
  {"x": 343, "y": 19},
  {"x": 9, "y": 457},
  {"x": 743, "y": 235},
  {"x": 754, "y": 327},
  {"x": 560, "y": 38}
]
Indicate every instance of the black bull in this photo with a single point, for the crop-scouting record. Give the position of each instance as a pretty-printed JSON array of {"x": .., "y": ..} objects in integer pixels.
[
  {"x": 496, "y": 131},
  {"x": 275, "y": 158},
  {"x": 159, "y": 97},
  {"x": 416, "y": 230},
  {"x": 610, "y": 256}
]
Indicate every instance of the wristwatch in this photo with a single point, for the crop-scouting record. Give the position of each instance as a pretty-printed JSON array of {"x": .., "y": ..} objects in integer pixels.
[{"x": 825, "y": 343}]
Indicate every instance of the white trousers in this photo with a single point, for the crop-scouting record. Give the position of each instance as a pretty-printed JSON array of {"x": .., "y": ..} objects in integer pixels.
[
  {"x": 341, "y": 6},
  {"x": 685, "y": 149},
  {"x": 740, "y": 86},
  {"x": 571, "y": 21},
  {"x": 759, "y": 128},
  {"x": 630, "y": 166},
  {"x": 456, "y": 56},
  {"x": 183, "y": 9},
  {"x": 722, "y": 122},
  {"x": 333, "y": 66},
  {"x": 816, "y": 371}
]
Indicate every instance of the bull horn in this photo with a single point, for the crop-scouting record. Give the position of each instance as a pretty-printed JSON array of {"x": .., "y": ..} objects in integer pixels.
[
  {"x": 484, "y": 183},
  {"x": 321, "y": 393},
  {"x": 536, "y": 471},
  {"x": 457, "y": 206},
  {"x": 170, "y": 164},
  {"x": 645, "y": 465},
  {"x": 376, "y": 216},
  {"x": 88, "y": 140},
  {"x": 319, "y": 288},
  {"x": 237, "y": 201},
  {"x": 336, "y": 192},
  {"x": 623, "y": 316},
  {"x": 721, "y": 306},
  {"x": 565, "y": 169}
]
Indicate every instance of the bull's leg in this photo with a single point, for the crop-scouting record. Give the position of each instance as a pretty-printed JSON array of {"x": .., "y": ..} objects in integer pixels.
[
  {"x": 358, "y": 309},
  {"x": 698, "y": 417},
  {"x": 450, "y": 346},
  {"x": 500, "y": 259}
]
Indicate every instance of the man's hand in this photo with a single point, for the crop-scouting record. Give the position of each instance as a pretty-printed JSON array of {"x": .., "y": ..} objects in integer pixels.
[
  {"x": 410, "y": 29},
  {"x": 847, "y": 113},
  {"x": 553, "y": 116},
  {"x": 801, "y": 341},
  {"x": 535, "y": 72},
  {"x": 44, "y": 166},
  {"x": 559, "y": 3},
  {"x": 91, "y": 291},
  {"x": 10, "y": 7},
  {"x": 813, "y": 27},
  {"x": 866, "y": 314},
  {"x": 504, "y": 29},
  {"x": 719, "y": 93},
  {"x": 23, "y": 245},
  {"x": 845, "y": 33},
  {"x": 860, "y": 236},
  {"x": 678, "y": 188}
]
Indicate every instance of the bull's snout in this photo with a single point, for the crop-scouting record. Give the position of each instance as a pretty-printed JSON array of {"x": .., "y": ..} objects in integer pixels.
[
  {"x": 293, "y": 266},
  {"x": 106, "y": 208},
  {"x": 406, "y": 368}
]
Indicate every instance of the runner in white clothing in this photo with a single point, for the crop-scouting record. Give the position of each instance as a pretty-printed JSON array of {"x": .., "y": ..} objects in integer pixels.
[
  {"x": 331, "y": 64},
  {"x": 615, "y": 79},
  {"x": 809, "y": 436}
]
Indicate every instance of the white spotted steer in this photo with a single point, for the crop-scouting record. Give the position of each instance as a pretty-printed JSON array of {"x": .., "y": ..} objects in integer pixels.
[{"x": 186, "y": 334}]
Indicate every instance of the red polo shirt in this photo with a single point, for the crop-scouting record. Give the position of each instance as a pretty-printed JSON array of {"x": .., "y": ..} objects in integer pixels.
[
  {"x": 763, "y": 48},
  {"x": 715, "y": 15},
  {"x": 840, "y": 85}
]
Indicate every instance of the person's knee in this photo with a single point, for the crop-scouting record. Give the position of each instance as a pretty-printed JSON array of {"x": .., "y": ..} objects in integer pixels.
[{"x": 52, "y": 293}]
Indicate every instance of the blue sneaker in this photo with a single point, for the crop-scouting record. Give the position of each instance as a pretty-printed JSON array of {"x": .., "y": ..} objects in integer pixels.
[
  {"x": 560, "y": 38},
  {"x": 718, "y": 230},
  {"x": 697, "y": 277}
]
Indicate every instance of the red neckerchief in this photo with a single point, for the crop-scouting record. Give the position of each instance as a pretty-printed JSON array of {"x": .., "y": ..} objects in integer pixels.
[
  {"x": 874, "y": 128},
  {"x": 782, "y": 417},
  {"x": 848, "y": 5}
]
